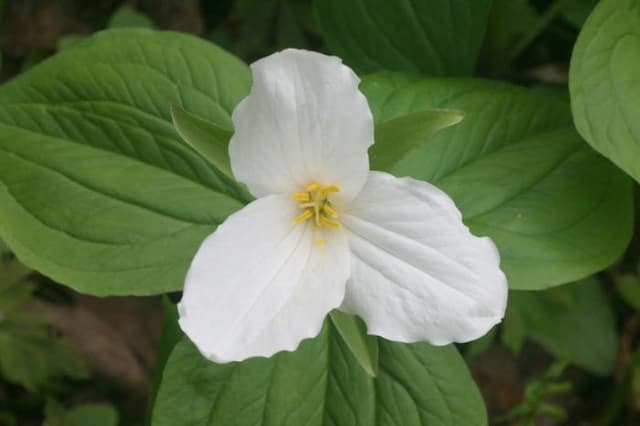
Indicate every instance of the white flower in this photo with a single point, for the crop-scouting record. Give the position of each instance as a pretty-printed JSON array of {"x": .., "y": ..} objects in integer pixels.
[{"x": 325, "y": 232}]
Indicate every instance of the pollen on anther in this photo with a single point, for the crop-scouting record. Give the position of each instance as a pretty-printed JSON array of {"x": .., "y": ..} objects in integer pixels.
[
  {"x": 328, "y": 222},
  {"x": 330, "y": 188},
  {"x": 313, "y": 187},
  {"x": 315, "y": 203},
  {"x": 303, "y": 216},
  {"x": 301, "y": 196},
  {"x": 330, "y": 210}
]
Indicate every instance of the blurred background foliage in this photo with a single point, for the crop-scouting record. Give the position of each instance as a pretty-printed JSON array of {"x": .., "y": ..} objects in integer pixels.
[{"x": 567, "y": 355}]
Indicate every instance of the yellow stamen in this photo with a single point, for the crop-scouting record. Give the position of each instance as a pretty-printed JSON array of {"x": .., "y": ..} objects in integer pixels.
[
  {"x": 303, "y": 216},
  {"x": 313, "y": 187},
  {"x": 330, "y": 188},
  {"x": 330, "y": 210},
  {"x": 326, "y": 221},
  {"x": 301, "y": 196},
  {"x": 315, "y": 204}
]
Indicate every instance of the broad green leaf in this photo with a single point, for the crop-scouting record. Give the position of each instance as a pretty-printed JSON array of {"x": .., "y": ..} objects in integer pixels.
[
  {"x": 363, "y": 346},
  {"x": 320, "y": 383},
  {"x": 91, "y": 414},
  {"x": 128, "y": 17},
  {"x": 399, "y": 136},
  {"x": 437, "y": 37},
  {"x": 519, "y": 173},
  {"x": 97, "y": 190},
  {"x": 573, "y": 322},
  {"x": 124, "y": 17},
  {"x": 208, "y": 139},
  {"x": 70, "y": 40},
  {"x": 604, "y": 83}
]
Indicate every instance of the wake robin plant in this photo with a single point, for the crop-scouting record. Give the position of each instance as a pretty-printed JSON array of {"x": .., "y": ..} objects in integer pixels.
[{"x": 336, "y": 221}]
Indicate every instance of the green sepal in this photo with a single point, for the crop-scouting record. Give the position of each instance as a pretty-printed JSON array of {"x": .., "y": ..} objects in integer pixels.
[
  {"x": 395, "y": 138},
  {"x": 208, "y": 139},
  {"x": 363, "y": 346}
]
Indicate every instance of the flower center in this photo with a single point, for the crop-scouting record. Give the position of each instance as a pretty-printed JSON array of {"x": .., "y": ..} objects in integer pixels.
[{"x": 315, "y": 204}]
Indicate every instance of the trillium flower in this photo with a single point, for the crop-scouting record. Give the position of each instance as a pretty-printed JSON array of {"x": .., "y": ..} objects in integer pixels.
[{"x": 325, "y": 232}]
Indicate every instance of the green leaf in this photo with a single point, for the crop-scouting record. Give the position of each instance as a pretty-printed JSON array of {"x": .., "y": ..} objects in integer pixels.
[
  {"x": 478, "y": 346},
  {"x": 438, "y": 37},
  {"x": 128, "y": 17},
  {"x": 519, "y": 173},
  {"x": 629, "y": 288},
  {"x": 604, "y": 83},
  {"x": 70, "y": 40},
  {"x": 513, "y": 331},
  {"x": 536, "y": 395},
  {"x": 261, "y": 27},
  {"x": 364, "y": 347},
  {"x": 14, "y": 287},
  {"x": 93, "y": 414},
  {"x": 53, "y": 413},
  {"x": 576, "y": 12},
  {"x": 574, "y": 322},
  {"x": 12, "y": 296},
  {"x": 170, "y": 335},
  {"x": 97, "y": 190},
  {"x": 63, "y": 361},
  {"x": 21, "y": 362},
  {"x": 508, "y": 22},
  {"x": 320, "y": 383},
  {"x": 124, "y": 17},
  {"x": 30, "y": 356},
  {"x": 397, "y": 137},
  {"x": 208, "y": 139}
]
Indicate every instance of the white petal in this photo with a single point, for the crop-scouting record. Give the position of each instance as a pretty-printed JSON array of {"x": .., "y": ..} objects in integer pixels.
[
  {"x": 260, "y": 285},
  {"x": 304, "y": 121},
  {"x": 418, "y": 274}
]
